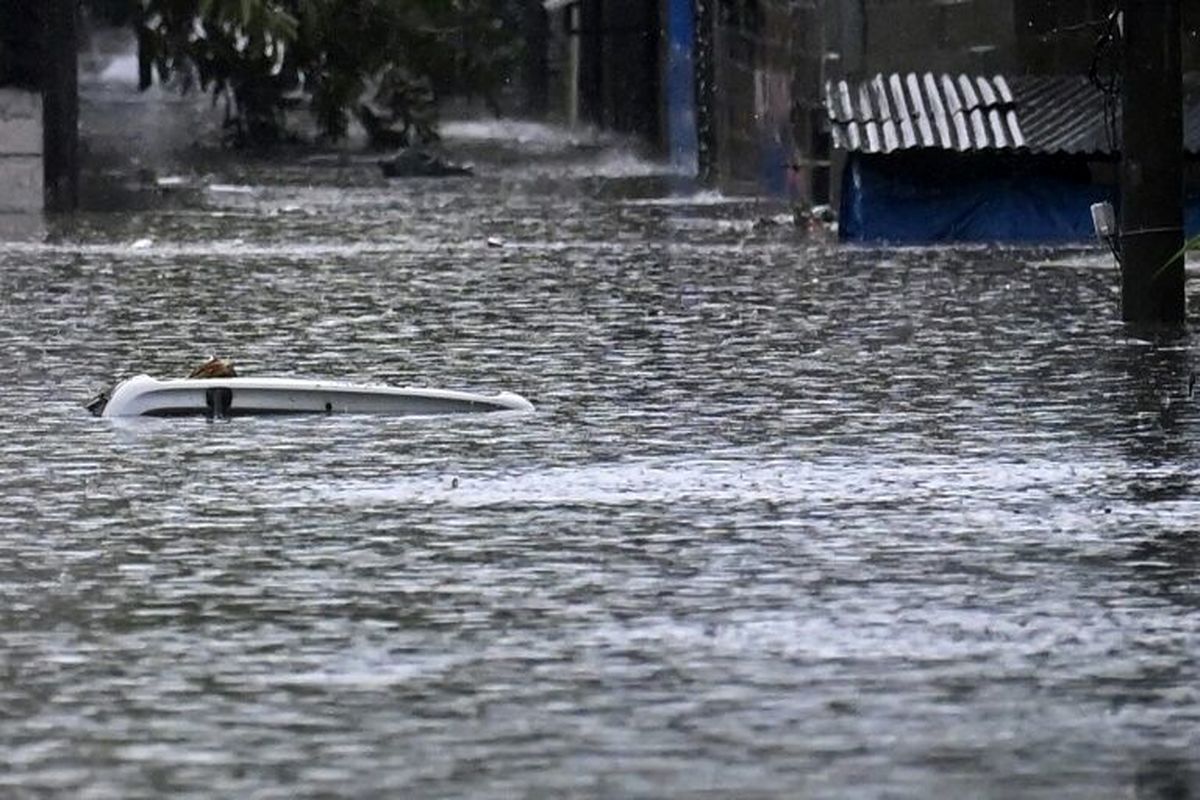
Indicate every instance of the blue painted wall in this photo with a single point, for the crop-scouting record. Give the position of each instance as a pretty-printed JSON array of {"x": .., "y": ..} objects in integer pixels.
[{"x": 682, "y": 142}]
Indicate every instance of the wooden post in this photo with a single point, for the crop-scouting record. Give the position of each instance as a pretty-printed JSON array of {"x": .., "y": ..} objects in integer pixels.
[
  {"x": 1152, "y": 275},
  {"x": 60, "y": 105}
]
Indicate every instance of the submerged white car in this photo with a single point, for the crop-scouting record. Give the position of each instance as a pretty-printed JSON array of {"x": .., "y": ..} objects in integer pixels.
[{"x": 143, "y": 395}]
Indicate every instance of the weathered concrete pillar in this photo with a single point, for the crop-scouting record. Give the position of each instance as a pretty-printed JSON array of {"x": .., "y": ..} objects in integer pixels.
[
  {"x": 21, "y": 177},
  {"x": 60, "y": 95},
  {"x": 1152, "y": 275}
]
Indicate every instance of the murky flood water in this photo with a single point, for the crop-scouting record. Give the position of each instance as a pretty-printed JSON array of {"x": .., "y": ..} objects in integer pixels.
[{"x": 791, "y": 520}]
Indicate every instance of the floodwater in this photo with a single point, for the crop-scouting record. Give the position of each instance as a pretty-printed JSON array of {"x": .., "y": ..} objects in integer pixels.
[{"x": 791, "y": 520}]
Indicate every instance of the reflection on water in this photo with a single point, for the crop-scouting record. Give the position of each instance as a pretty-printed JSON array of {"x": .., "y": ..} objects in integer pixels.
[
  {"x": 792, "y": 520},
  {"x": 1164, "y": 778}
]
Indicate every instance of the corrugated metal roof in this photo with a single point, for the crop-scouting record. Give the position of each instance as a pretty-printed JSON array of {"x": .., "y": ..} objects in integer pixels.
[
  {"x": 903, "y": 112},
  {"x": 1065, "y": 114},
  {"x": 1039, "y": 114}
]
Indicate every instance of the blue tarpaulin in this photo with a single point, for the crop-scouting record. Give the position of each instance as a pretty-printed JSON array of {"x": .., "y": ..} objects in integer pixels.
[{"x": 927, "y": 201}]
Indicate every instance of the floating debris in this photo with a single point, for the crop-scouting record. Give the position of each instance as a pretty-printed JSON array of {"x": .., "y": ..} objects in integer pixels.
[{"x": 417, "y": 163}]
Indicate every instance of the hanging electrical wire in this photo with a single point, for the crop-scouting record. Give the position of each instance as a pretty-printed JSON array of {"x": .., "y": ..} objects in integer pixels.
[{"x": 1105, "y": 72}]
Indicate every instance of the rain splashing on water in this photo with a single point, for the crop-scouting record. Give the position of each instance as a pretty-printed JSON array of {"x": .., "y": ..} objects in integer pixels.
[{"x": 791, "y": 519}]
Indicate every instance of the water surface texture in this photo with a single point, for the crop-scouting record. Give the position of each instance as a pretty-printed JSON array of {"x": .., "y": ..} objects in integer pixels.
[{"x": 791, "y": 520}]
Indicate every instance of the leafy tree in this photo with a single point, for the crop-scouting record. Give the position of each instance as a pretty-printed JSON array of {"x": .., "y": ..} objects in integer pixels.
[{"x": 400, "y": 56}]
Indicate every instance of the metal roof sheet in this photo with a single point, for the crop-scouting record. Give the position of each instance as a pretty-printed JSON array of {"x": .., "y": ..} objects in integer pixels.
[
  {"x": 901, "y": 112},
  {"x": 1039, "y": 114},
  {"x": 1066, "y": 114}
]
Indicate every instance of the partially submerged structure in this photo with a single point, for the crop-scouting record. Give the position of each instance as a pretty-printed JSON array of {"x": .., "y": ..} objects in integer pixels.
[
  {"x": 38, "y": 107},
  {"x": 934, "y": 158},
  {"x": 22, "y": 178},
  {"x": 940, "y": 120},
  {"x": 977, "y": 120},
  {"x": 713, "y": 84},
  {"x": 760, "y": 70},
  {"x": 607, "y": 65}
]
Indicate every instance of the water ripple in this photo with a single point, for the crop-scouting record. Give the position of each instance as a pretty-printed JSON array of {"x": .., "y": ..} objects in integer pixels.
[{"x": 791, "y": 519}]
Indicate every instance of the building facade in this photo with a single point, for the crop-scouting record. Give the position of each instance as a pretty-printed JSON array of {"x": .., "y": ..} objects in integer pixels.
[
  {"x": 760, "y": 68},
  {"x": 606, "y": 64},
  {"x": 39, "y": 105},
  {"x": 983, "y": 120}
]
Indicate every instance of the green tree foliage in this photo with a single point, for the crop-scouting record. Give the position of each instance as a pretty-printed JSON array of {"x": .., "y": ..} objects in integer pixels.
[{"x": 400, "y": 56}]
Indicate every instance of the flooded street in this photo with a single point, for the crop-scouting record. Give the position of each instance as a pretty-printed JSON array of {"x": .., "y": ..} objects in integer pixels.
[{"x": 791, "y": 520}]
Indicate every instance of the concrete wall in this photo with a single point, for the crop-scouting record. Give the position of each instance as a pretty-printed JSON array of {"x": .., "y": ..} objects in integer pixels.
[
  {"x": 922, "y": 35},
  {"x": 765, "y": 75},
  {"x": 21, "y": 170}
]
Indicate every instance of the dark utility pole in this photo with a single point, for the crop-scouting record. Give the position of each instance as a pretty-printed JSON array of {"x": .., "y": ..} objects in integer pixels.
[
  {"x": 591, "y": 61},
  {"x": 1152, "y": 279},
  {"x": 536, "y": 29},
  {"x": 60, "y": 105}
]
